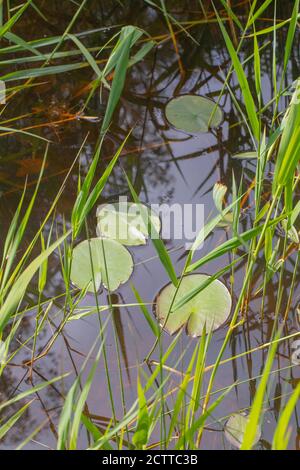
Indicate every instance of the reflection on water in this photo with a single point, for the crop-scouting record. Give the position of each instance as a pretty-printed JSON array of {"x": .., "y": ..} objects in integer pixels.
[{"x": 166, "y": 166}]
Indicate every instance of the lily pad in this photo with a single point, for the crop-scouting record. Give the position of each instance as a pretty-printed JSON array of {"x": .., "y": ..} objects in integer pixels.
[
  {"x": 235, "y": 429},
  {"x": 93, "y": 258},
  {"x": 192, "y": 113},
  {"x": 210, "y": 307},
  {"x": 126, "y": 222}
]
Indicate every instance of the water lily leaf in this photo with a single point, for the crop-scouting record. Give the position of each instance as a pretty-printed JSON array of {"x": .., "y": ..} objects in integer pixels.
[
  {"x": 210, "y": 307},
  {"x": 192, "y": 113},
  {"x": 235, "y": 429},
  {"x": 245, "y": 156},
  {"x": 93, "y": 258},
  {"x": 126, "y": 222}
]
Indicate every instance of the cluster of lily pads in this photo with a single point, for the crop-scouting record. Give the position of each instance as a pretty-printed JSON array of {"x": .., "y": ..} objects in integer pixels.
[{"x": 106, "y": 260}]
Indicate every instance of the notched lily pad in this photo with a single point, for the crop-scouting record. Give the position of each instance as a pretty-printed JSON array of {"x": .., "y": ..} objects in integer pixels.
[
  {"x": 126, "y": 222},
  {"x": 210, "y": 307},
  {"x": 92, "y": 259},
  {"x": 235, "y": 429},
  {"x": 193, "y": 113}
]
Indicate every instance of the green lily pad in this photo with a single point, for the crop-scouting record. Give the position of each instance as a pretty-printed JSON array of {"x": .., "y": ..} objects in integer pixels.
[
  {"x": 235, "y": 429},
  {"x": 245, "y": 156},
  {"x": 88, "y": 262},
  {"x": 126, "y": 222},
  {"x": 192, "y": 113},
  {"x": 210, "y": 307}
]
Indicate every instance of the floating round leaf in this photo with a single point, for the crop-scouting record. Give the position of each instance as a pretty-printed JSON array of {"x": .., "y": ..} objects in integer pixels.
[
  {"x": 199, "y": 302},
  {"x": 235, "y": 429},
  {"x": 92, "y": 259},
  {"x": 192, "y": 113},
  {"x": 126, "y": 222}
]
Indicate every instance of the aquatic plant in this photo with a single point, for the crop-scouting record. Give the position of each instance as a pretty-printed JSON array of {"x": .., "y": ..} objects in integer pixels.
[{"x": 59, "y": 247}]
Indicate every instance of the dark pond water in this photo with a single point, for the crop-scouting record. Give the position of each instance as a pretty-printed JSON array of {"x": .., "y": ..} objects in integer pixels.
[{"x": 166, "y": 165}]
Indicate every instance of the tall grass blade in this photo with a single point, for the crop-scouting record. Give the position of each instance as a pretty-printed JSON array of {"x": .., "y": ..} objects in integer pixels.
[
  {"x": 243, "y": 82},
  {"x": 18, "y": 289},
  {"x": 256, "y": 411},
  {"x": 282, "y": 433}
]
